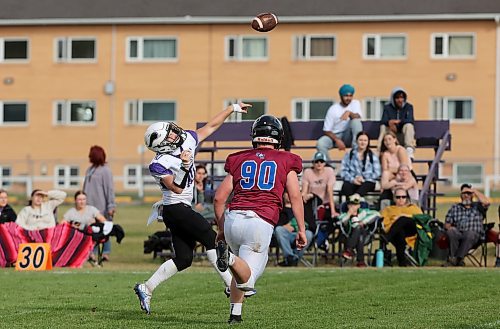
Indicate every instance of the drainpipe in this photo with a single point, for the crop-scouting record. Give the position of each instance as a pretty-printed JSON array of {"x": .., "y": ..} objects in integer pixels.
[{"x": 496, "y": 160}]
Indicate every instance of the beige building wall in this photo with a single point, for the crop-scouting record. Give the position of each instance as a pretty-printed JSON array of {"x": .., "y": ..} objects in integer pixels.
[{"x": 201, "y": 79}]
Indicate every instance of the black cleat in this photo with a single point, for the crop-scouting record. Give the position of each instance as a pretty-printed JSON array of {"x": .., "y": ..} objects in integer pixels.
[
  {"x": 233, "y": 319},
  {"x": 222, "y": 256},
  {"x": 248, "y": 294}
]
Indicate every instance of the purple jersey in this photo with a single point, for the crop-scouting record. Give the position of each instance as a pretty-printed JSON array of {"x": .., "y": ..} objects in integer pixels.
[{"x": 259, "y": 180}]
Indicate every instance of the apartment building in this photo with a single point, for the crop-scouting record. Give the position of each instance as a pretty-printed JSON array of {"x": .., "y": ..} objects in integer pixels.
[{"x": 79, "y": 73}]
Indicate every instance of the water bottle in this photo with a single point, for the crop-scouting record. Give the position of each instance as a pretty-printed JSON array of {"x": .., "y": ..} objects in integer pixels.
[{"x": 379, "y": 258}]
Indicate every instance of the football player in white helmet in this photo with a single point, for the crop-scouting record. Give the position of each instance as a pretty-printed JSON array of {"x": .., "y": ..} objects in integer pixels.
[{"x": 173, "y": 169}]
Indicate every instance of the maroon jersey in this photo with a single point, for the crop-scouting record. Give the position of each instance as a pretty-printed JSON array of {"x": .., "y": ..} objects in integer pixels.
[{"x": 259, "y": 180}]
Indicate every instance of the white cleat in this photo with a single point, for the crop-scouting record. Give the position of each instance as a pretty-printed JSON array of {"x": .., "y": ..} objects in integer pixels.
[{"x": 144, "y": 297}]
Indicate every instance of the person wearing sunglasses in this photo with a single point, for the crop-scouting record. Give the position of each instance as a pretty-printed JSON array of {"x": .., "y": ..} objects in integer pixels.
[
  {"x": 464, "y": 223},
  {"x": 399, "y": 227}
]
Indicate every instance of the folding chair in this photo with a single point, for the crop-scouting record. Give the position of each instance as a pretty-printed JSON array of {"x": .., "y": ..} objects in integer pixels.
[{"x": 478, "y": 254}]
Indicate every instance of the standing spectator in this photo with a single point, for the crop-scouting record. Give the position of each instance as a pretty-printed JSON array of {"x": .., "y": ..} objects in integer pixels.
[
  {"x": 39, "y": 213},
  {"x": 286, "y": 232},
  {"x": 318, "y": 182},
  {"x": 259, "y": 177},
  {"x": 342, "y": 123},
  {"x": 399, "y": 227},
  {"x": 7, "y": 214},
  {"x": 398, "y": 118},
  {"x": 403, "y": 179},
  {"x": 199, "y": 204},
  {"x": 360, "y": 168},
  {"x": 99, "y": 188},
  {"x": 464, "y": 223}
]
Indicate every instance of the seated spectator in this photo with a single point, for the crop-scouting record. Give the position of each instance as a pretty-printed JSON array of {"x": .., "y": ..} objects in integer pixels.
[
  {"x": 82, "y": 215},
  {"x": 7, "y": 214},
  {"x": 39, "y": 214},
  {"x": 403, "y": 179},
  {"x": 317, "y": 184},
  {"x": 397, "y": 117},
  {"x": 360, "y": 168},
  {"x": 356, "y": 221},
  {"x": 464, "y": 223},
  {"x": 199, "y": 205},
  {"x": 286, "y": 233},
  {"x": 342, "y": 123},
  {"x": 392, "y": 155},
  {"x": 399, "y": 227}
]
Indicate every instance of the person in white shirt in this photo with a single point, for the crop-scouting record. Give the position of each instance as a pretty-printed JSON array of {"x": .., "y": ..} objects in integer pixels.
[{"x": 342, "y": 122}]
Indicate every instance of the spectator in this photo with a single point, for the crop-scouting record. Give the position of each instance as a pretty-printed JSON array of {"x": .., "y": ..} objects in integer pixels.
[
  {"x": 392, "y": 155},
  {"x": 7, "y": 214},
  {"x": 360, "y": 168},
  {"x": 399, "y": 227},
  {"x": 403, "y": 179},
  {"x": 99, "y": 188},
  {"x": 286, "y": 234},
  {"x": 319, "y": 181},
  {"x": 82, "y": 215},
  {"x": 397, "y": 117},
  {"x": 356, "y": 220},
  {"x": 342, "y": 122},
  {"x": 199, "y": 205},
  {"x": 39, "y": 213},
  {"x": 464, "y": 223}
]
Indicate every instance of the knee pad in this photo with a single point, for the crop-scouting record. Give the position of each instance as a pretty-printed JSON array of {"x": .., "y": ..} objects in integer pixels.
[{"x": 247, "y": 286}]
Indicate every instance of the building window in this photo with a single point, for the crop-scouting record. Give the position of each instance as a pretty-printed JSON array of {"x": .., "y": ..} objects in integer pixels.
[
  {"x": 468, "y": 173},
  {"x": 377, "y": 46},
  {"x": 310, "y": 109},
  {"x": 453, "y": 109},
  {"x": 75, "y": 49},
  {"x": 13, "y": 50},
  {"x": 5, "y": 175},
  {"x": 151, "y": 49},
  {"x": 67, "y": 177},
  {"x": 447, "y": 45},
  {"x": 75, "y": 112},
  {"x": 13, "y": 113},
  {"x": 308, "y": 47},
  {"x": 149, "y": 111},
  {"x": 132, "y": 177},
  {"x": 259, "y": 107},
  {"x": 241, "y": 48},
  {"x": 373, "y": 109}
]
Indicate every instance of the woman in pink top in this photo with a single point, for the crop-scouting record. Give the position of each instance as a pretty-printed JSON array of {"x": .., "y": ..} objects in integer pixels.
[{"x": 392, "y": 155}]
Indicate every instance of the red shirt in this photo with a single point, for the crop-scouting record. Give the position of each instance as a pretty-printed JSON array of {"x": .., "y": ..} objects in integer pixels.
[{"x": 259, "y": 180}]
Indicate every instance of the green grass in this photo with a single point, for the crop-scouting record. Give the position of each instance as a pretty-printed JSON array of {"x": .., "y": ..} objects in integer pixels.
[{"x": 324, "y": 297}]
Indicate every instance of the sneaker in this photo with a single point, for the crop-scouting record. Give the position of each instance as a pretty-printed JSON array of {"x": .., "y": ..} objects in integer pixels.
[
  {"x": 248, "y": 294},
  {"x": 347, "y": 254},
  {"x": 222, "y": 256},
  {"x": 410, "y": 152},
  {"x": 233, "y": 319},
  {"x": 144, "y": 297}
]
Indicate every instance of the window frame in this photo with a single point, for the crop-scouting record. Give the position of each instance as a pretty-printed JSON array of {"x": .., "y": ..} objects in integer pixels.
[
  {"x": 138, "y": 109},
  {"x": 297, "y": 42},
  {"x": 237, "y": 116},
  {"x": 68, "y": 179},
  {"x": 446, "y": 40},
  {"x": 4, "y": 184},
  {"x": 238, "y": 57},
  {"x": 379, "y": 107},
  {"x": 378, "y": 37},
  {"x": 445, "y": 111},
  {"x": 17, "y": 60},
  {"x": 306, "y": 107},
  {"x": 455, "y": 178},
  {"x": 67, "y": 108},
  {"x": 13, "y": 124},
  {"x": 68, "y": 53},
  {"x": 147, "y": 181},
  {"x": 140, "y": 49}
]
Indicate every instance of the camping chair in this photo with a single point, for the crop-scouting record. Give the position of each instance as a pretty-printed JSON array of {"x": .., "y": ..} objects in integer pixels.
[
  {"x": 372, "y": 229},
  {"x": 323, "y": 222},
  {"x": 478, "y": 254}
]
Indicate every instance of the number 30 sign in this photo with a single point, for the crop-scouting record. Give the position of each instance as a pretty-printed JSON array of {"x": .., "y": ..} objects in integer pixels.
[{"x": 34, "y": 257}]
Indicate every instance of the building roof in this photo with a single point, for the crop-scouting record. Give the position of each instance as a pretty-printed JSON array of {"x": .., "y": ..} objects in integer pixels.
[{"x": 34, "y": 12}]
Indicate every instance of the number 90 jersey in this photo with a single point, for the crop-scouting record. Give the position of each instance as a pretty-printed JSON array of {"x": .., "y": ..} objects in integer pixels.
[{"x": 259, "y": 180}]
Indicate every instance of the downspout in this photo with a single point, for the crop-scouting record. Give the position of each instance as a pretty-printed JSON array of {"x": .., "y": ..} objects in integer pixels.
[{"x": 496, "y": 160}]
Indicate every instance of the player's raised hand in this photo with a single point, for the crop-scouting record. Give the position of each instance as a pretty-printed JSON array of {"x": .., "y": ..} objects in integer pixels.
[
  {"x": 301, "y": 240},
  {"x": 241, "y": 107},
  {"x": 186, "y": 158}
]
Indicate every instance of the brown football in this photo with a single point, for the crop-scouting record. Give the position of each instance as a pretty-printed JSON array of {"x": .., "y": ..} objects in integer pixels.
[{"x": 264, "y": 22}]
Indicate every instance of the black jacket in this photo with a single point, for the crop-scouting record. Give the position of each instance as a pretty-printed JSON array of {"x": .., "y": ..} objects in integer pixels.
[{"x": 7, "y": 215}]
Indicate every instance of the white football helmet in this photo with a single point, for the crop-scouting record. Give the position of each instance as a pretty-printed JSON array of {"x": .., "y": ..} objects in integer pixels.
[{"x": 156, "y": 137}]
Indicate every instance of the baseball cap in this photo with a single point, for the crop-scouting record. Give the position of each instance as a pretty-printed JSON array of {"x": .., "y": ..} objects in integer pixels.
[
  {"x": 354, "y": 199},
  {"x": 467, "y": 187},
  {"x": 318, "y": 156}
]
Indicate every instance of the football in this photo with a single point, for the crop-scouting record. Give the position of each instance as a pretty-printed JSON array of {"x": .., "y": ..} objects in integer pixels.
[{"x": 264, "y": 22}]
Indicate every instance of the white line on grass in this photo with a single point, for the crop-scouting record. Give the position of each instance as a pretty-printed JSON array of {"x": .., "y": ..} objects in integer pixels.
[{"x": 495, "y": 324}]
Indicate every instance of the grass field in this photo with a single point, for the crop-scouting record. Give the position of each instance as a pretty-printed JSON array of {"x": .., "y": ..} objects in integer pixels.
[{"x": 324, "y": 297}]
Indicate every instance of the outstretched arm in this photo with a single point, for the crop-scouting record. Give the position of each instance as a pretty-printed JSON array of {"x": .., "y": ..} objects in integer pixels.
[{"x": 218, "y": 120}]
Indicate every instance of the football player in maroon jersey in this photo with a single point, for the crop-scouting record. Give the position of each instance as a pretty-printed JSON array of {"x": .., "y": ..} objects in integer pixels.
[{"x": 258, "y": 177}]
